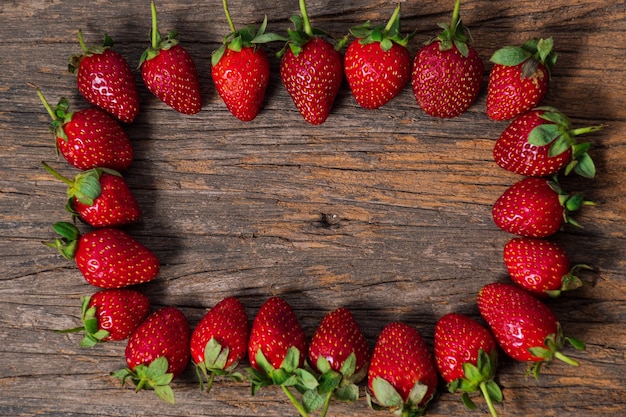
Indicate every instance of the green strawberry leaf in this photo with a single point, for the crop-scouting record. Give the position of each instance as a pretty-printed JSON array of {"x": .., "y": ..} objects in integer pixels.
[
  {"x": 495, "y": 393},
  {"x": 510, "y": 56},
  {"x": 544, "y": 134},
  {"x": 329, "y": 381},
  {"x": 349, "y": 393},
  {"x": 311, "y": 400},
  {"x": 349, "y": 366},
  {"x": 385, "y": 393},
  {"x": 576, "y": 343},
  {"x": 292, "y": 360},
  {"x": 165, "y": 393},
  {"x": 323, "y": 365},
  {"x": 467, "y": 401},
  {"x": 306, "y": 379}
]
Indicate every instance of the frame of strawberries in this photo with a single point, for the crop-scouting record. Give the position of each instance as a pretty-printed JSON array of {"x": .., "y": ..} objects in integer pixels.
[{"x": 401, "y": 372}]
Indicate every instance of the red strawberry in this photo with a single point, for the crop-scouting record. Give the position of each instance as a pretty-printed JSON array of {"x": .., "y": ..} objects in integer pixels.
[
  {"x": 339, "y": 352},
  {"x": 111, "y": 315},
  {"x": 402, "y": 373},
  {"x": 467, "y": 358},
  {"x": 157, "y": 352},
  {"x": 241, "y": 70},
  {"x": 311, "y": 70},
  {"x": 277, "y": 349},
  {"x": 541, "y": 142},
  {"x": 220, "y": 341},
  {"x": 519, "y": 78},
  {"x": 100, "y": 197},
  {"x": 106, "y": 80},
  {"x": 377, "y": 64},
  {"x": 169, "y": 72},
  {"x": 535, "y": 207},
  {"x": 89, "y": 138},
  {"x": 447, "y": 72},
  {"x": 524, "y": 327},
  {"x": 541, "y": 267},
  {"x": 107, "y": 258}
]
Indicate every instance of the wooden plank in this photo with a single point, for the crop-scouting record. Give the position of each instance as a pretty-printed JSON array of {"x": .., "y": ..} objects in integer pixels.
[{"x": 385, "y": 212}]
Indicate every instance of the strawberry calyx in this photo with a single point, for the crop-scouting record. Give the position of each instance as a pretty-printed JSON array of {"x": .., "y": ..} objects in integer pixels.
[
  {"x": 249, "y": 36},
  {"x": 157, "y": 41},
  {"x": 532, "y": 53},
  {"x": 74, "y": 60},
  {"x": 214, "y": 364},
  {"x": 385, "y": 35},
  {"x": 569, "y": 202},
  {"x": 559, "y": 134},
  {"x": 303, "y": 32},
  {"x": 479, "y": 377},
  {"x": 571, "y": 281},
  {"x": 341, "y": 384},
  {"x": 152, "y": 376},
  {"x": 67, "y": 243},
  {"x": 60, "y": 115},
  {"x": 453, "y": 33},
  {"x": 553, "y": 343},
  {"x": 387, "y": 397},
  {"x": 92, "y": 332},
  {"x": 288, "y": 375}
]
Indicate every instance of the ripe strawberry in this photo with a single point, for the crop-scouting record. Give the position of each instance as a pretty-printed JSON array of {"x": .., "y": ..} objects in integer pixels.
[
  {"x": 107, "y": 258},
  {"x": 535, "y": 207},
  {"x": 311, "y": 70},
  {"x": 169, "y": 72},
  {"x": 157, "y": 352},
  {"x": 541, "y": 142},
  {"x": 241, "y": 69},
  {"x": 111, "y": 315},
  {"x": 339, "y": 352},
  {"x": 467, "y": 358},
  {"x": 524, "y": 327},
  {"x": 519, "y": 78},
  {"x": 100, "y": 197},
  {"x": 105, "y": 79},
  {"x": 377, "y": 64},
  {"x": 541, "y": 267},
  {"x": 447, "y": 72},
  {"x": 402, "y": 373},
  {"x": 89, "y": 138},
  {"x": 277, "y": 349},
  {"x": 220, "y": 341}
]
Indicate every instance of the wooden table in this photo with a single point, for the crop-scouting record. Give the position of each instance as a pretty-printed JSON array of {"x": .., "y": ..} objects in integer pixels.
[{"x": 386, "y": 212}]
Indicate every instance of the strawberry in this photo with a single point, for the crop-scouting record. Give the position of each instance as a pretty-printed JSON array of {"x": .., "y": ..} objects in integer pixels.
[
  {"x": 89, "y": 138},
  {"x": 402, "y": 373},
  {"x": 241, "y": 70},
  {"x": 467, "y": 358},
  {"x": 111, "y": 315},
  {"x": 169, "y": 72},
  {"x": 524, "y": 327},
  {"x": 220, "y": 341},
  {"x": 107, "y": 258},
  {"x": 519, "y": 78},
  {"x": 541, "y": 267},
  {"x": 338, "y": 350},
  {"x": 100, "y": 197},
  {"x": 311, "y": 69},
  {"x": 276, "y": 350},
  {"x": 535, "y": 207},
  {"x": 105, "y": 79},
  {"x": 541, "y": 142},
  {"x": 157, "y": 352},
  {"x": 377, "y": 64},
  {"x": 447, "y": 72}
]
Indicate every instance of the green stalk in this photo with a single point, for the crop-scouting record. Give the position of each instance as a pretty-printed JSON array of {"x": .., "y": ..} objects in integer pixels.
[
  {"x": 81, "y": 41},
  {"x": 305, "y": 18},
  {"x": 228, "y": 18},
  {"x": 393, "y": 18},
  {"x": 46, "y": 105},
  {"x": 154, "y": 39},
  {"x": 212, "y": 377},
  {"x": 56, "y": 174},
  {"x": 295, "y": 401},
  {"x": 584, "y": 130},
  {"x": 326, "y": 403},
  {"x": 455, "y": 16},
  {"x": 483, "y": 389}
]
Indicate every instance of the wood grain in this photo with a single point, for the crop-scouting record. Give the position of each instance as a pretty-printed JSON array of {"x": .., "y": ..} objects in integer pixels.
[{"x": 385, "y": 212}]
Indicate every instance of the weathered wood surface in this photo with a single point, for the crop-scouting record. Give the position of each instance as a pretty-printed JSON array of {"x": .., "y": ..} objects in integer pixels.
[{"x": 386, "y": 212}]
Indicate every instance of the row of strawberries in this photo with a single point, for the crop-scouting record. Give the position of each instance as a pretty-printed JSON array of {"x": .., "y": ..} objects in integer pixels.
[
  {"x": 446, "y": 75},
  {"x": 402, "y": 372}
]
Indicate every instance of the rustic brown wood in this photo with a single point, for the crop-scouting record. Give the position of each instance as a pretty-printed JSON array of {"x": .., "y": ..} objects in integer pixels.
[{"x": 386, "y": 212}]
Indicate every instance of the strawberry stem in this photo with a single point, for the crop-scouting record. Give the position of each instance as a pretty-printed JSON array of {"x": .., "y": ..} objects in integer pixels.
[
  {"x": 584, "y": 130},
  {"x": 209, "y": 383},
  {"x": 81, "y": 41},
  {"x": 305, "y": 18},
  {"x": 228, "y": 18},
  {"x": 46, "y": 105},
  {"x": 154, "y": 33},
  {"x": 566, "y": 359},
  {"x": 455, "y": 16},
  {"x": 483, "y": 389},
  {"x": 56, "y": 174},
  {"x": 326, "y": 403},
  {"x": 393, "y": 18},
  {"x": 295, "y": 401}
]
